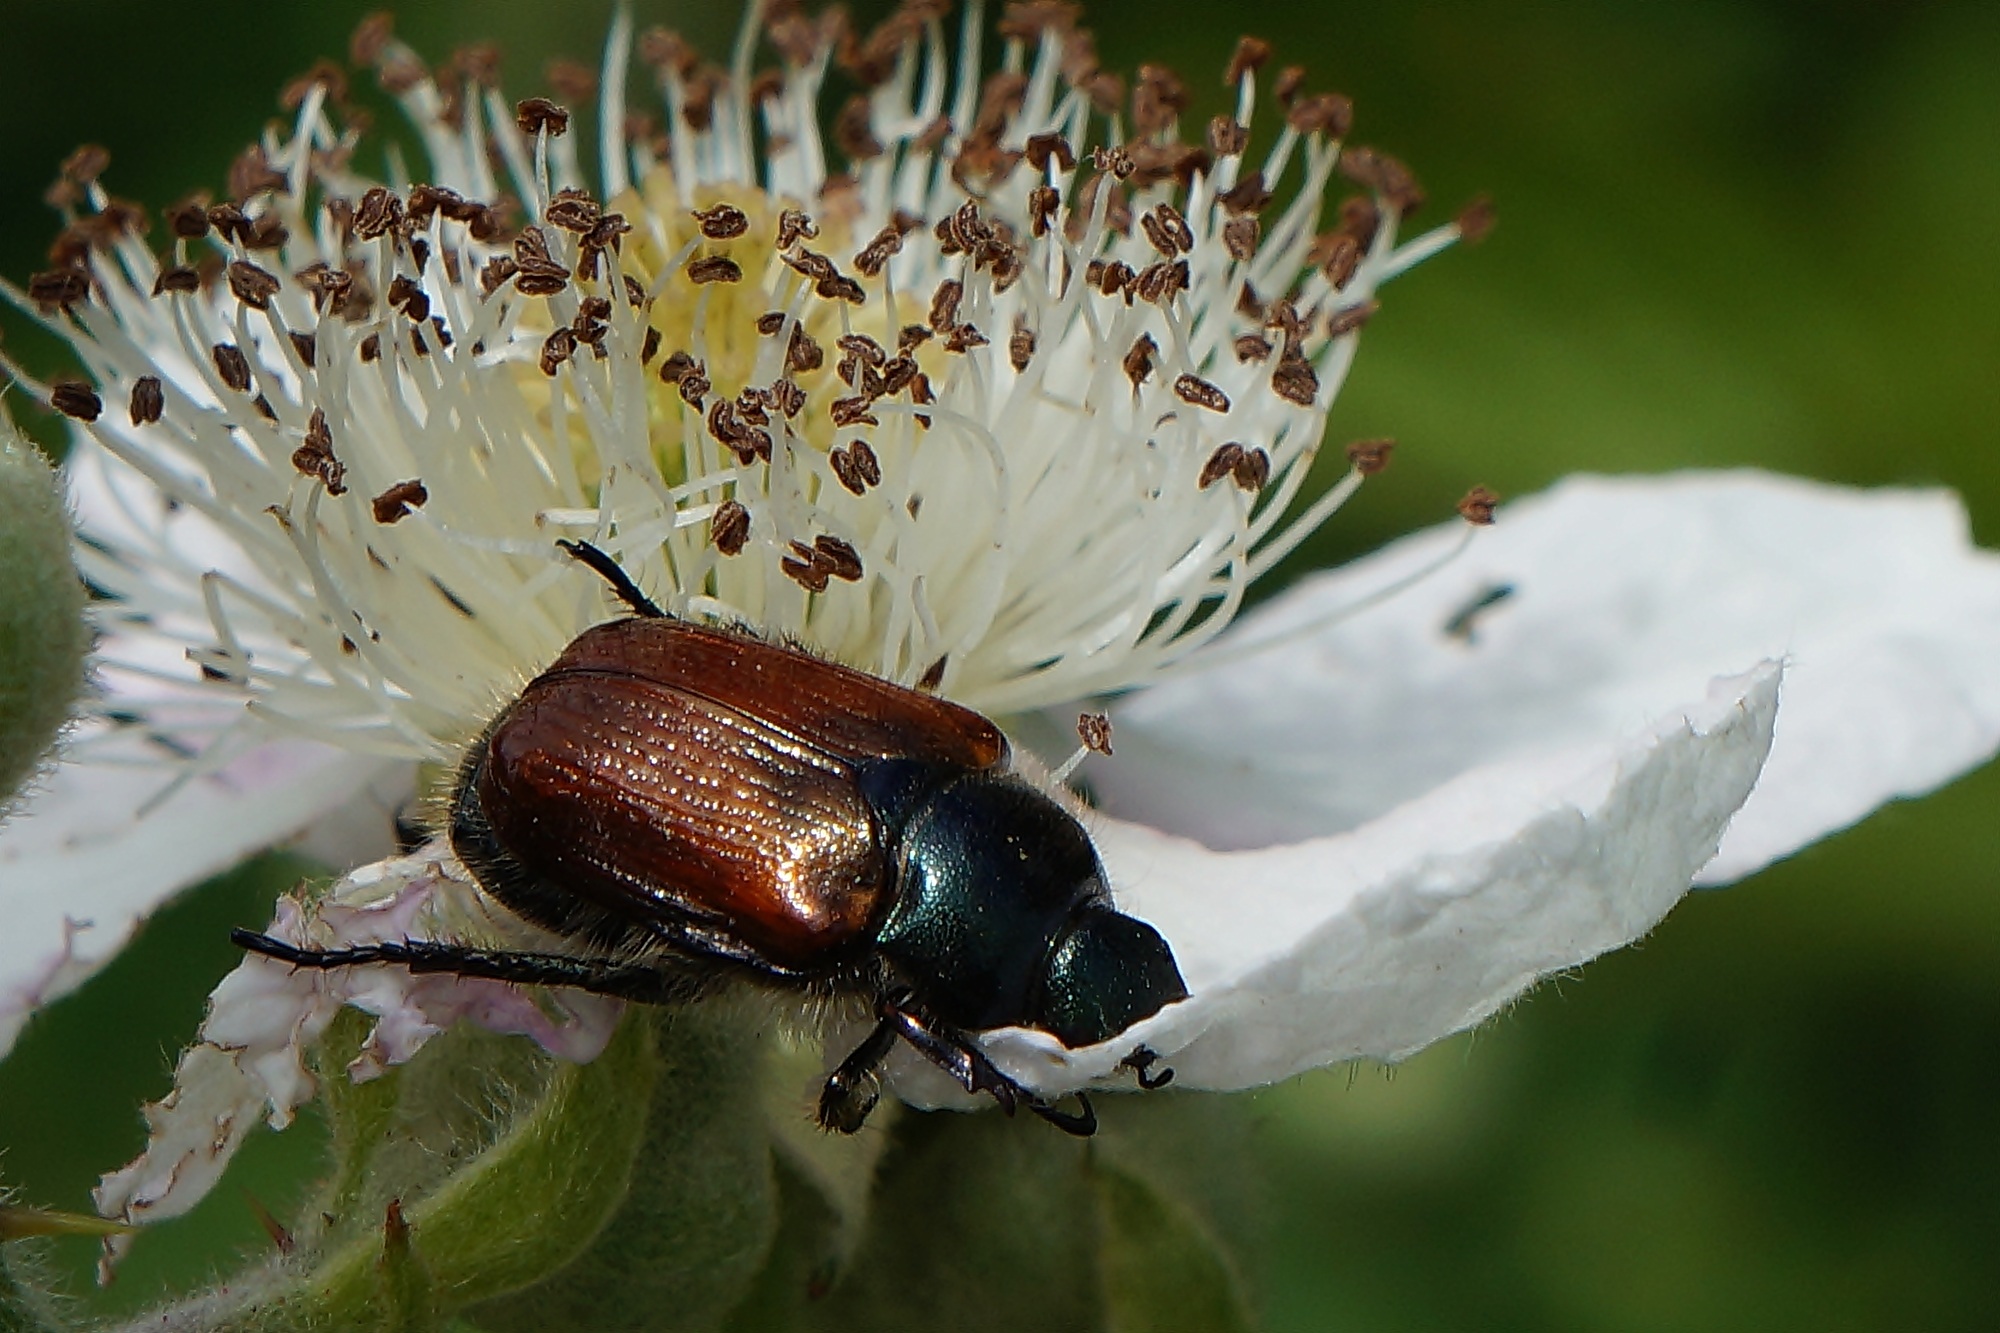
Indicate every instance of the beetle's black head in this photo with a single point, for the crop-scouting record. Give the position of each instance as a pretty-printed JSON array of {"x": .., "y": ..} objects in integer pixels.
[{"x": 1106, "y": 972}]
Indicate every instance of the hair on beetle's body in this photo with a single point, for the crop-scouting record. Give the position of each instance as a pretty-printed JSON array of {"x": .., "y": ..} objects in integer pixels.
[{"x": 693, "y": 804}]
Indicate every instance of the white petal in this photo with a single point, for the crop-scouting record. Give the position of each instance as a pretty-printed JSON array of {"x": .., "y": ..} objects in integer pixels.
[
  {"x": 1629, "y": 593},
  {"x": 81, "y": 867},
  {"x": 1426, "y": 920}
]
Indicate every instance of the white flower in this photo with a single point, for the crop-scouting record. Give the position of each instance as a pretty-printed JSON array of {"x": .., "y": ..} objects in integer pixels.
[{"x": 954, "y": 418}]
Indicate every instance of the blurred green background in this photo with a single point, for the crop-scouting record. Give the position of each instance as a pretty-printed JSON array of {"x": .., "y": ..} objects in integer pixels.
[{"x": 1755, "y": 233}]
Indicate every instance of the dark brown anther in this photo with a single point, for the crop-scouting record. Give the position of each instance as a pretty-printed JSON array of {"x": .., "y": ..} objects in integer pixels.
[
  {"x": 793, "y": 227},
  {"x": 264, "y": 408},
  {"x": 392, "y": 505},
  {"x": 668, "y": 52},
  {"x": 177, "y": 279},
  {"x": 714, "y": 268},
  {"x": 74, "y": 398},
  {"x": 811, "y": 264},
  {"x": 1252, "y": 347},
  {"x": 574, "y": 211},
  {"x": 1393, "y": 182},
  {"x": 1220, "y": 464},
  {"x": 1475, "y": 220},
  {"x": 59, "y": 289},
  {"x": 1193, "y": 389},
  {"x": 963, "y": 338},
  {"x": 803, "y": 571},
  {"x": 855, "y": 466},
  {"x": 1323, "y": 113},
  {"x": 1226, "y": 138},
  {"x": 1361, "y": 219},
  {"x": 1250, "y": 54},
  {"x": 1291, "y": 79},
  {"x": 188, "y": 219},
  {"x": 1156, "y": 233},
  {"x": 1251, "y": 470},
  {"x": 420, "y": 253},
  {"x": 677, "y": 367},
  {"x": 405, "y": 295},
  {"x": 323, "y": 74},
  {"x": 1338, "y": 256},
  {"x": 1240, "y": 237},
  {"x": 770, "y": 322},
  {"x": 787, "y": 397},
  {"x": 730, "y": 528},
  {"x": 854, "y": 130},
  {"x": 85, "y": 164},
  {"x": 307, "y": 347},
  {"x": 635, "y": 295},
  {"x": 649, "y": 346},
  {"x": 1248, "y": 195},
  {"x": 723, "y": 222},
  {"x": 862, "y": 346},
  {"x": 840, "y": 288},
  {"x": 315, "y": 458},
  {"x": 252, "y": 285},
  {"x": 836, "y": 557},
  {"x": 803, "y": 355},
  {"x": 1138, "y": 362},
  {"x": 872, "y": 258},
  {"x": 232, "y": 365},
  {"x": 767, "y": 85},
  {"x": 1158, "y": 97},
  {"x": 149, "y": 400},
  {"x": 371, "y": 37},
  {"x": 754, "y": 404},
  {"x": 944, "y": 305},
  {"x": 1295, "y": 380},
  {"x": 1021, "y": 346},
  {"x": 910, "y": 337},
  {"x": 537, "y": 114},
  {"x": 252, "y": 174},
  {"x": 1041, "y": 149},
  {"x": 853, "y": 412},
  {"x": 557, "y": 348},
  {"x": 375, "y": 215},
  {"x": 1349, "y": 318},
  {"x": 231, "y": 221},
  {"x": 933, "y": 674},
  {"x": 1044, "y": 202},
  {"x": 694, "y": 385},
  {"x": 266, "y": 233},
  {"x": 1369, "y": 457},
  {"x": 496, "y": 273},
  {"x": 1115, "y": 277},
  {"x": 1115, "y": 162},
  {"x": 1094, "y": 730},
  {"x": 371, "y": 348},
  {"x": 1477, "y": 507}
]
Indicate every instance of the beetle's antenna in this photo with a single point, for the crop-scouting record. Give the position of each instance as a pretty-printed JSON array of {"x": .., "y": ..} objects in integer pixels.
[{"x": 621, "y": 582}]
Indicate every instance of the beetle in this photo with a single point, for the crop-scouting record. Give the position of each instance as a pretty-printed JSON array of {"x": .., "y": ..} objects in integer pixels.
[{"x": 690, "y": 803}]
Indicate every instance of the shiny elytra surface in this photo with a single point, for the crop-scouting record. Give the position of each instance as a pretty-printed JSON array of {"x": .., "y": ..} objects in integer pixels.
[{"x": 667, "y": 770}]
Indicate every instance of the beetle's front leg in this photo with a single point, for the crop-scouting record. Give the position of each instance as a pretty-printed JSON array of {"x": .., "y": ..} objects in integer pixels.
[
  {"x": 850, "y": 1091},
  {"x": 951, "y": 1052}
]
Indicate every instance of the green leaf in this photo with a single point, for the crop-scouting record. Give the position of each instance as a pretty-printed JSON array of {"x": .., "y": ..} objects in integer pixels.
[
  {"x": 1162, "y": 1270},
  {"x": 698, "y": 1221},
  {"x": 42, "y": 633}
]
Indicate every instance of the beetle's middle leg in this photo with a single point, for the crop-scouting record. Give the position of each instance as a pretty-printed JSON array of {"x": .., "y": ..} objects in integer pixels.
[
  {"x": 951, "y": 1052},
  {"x": 850, "y": 1091}
]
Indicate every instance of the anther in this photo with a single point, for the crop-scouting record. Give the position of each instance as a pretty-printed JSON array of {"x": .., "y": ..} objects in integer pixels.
[
  {"x": 1138, "y": 361},
  {"x": 149, "y": 400},
  {"x": 1477, "y": 507},
  {"x": 315, "y": 458},
  {"x": 714, "y": 268},
  {"x": 1219, "y": 465},
  {"x": 722, "y": 223},
  {"x": 1349, "y": 318},
  {"x": 232, "y": 365},
  {"x": 1250, "y": 54},
  {"x": 729, "y": 530},
  {"x": 536, "y": 114},
  {"x": 1369, "y": 457},
  {"x": 1193, "y": 389},
  {"x": 573, "y": 210},
  {"x": 1094, "y": 730},
  {"x": 1226, "y": 138},
  {"x": 74, "y": 398},
  {"x": 394, "y": 504},
  {"x": 1021, "y": 346}
]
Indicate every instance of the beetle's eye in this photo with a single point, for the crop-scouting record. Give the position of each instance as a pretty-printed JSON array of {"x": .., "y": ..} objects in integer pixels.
[{"x": 1106, "y": 973}]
